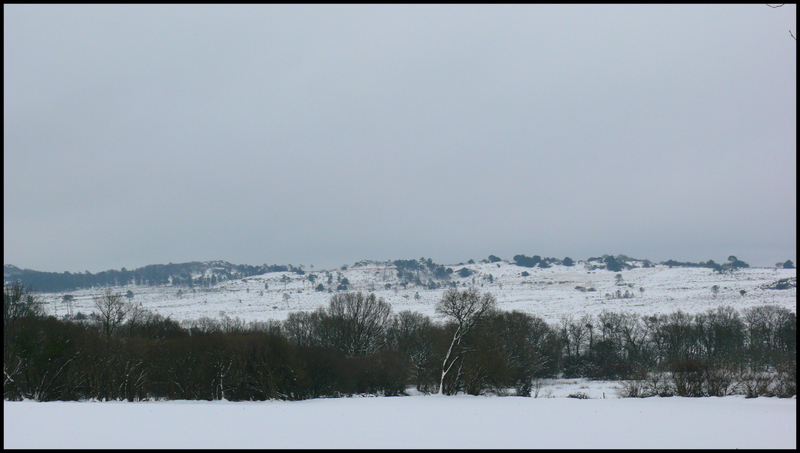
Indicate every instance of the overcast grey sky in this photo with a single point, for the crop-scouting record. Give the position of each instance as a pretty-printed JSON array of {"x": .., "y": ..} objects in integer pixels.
[{"x": 326, "y": 135}]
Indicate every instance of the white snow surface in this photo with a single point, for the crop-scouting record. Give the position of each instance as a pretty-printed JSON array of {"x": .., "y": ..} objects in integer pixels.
[
  {"x": 430, "y": 421},
  {"x": 548, "y": 293}
]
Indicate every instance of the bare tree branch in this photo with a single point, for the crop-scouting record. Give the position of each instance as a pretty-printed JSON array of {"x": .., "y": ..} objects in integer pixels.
[{"x": 778, "y": 6}]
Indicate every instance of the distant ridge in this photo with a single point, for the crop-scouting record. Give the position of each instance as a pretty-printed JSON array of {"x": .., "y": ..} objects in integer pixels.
[
  {"x": 189, "y": 274},
  {"x": 207, "y": 273}
]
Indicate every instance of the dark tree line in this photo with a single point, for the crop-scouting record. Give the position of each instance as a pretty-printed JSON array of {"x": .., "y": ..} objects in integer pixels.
[
  {"x": 732, "y": 264},
  {"x": 151, "y": 275},
  {"x": 357, "y": 345}
]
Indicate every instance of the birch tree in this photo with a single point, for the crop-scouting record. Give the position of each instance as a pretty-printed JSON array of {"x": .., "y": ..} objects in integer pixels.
[{"x": 464, "y": 309}]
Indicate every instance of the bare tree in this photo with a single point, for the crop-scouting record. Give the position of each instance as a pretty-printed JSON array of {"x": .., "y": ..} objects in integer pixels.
[
  {"x": 136, "y": 316},
  {"x": 413, "y": 333},
  {"x": 464, "y": 309},
  {"x": 358, "y": 323},
  {"x": 20, "y": 302},
  {"x": 304, "y": 328},
  {"x": 112, "y": 310},
  {"x": 68, "y": 301}
]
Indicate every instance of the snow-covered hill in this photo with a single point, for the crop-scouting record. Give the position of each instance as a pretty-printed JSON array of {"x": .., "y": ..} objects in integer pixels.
[{"x": 549, "y": 293}]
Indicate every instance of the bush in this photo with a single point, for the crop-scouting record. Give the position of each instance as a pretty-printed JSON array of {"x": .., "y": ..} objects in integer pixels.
[
  {"x": 525, "y": 261},
  {"x": 719, "y": 381},
  {"x": 633, "y": 388},
  {"x": 687, "y": 377},
  {"x": 785, "y": 385},
  {"x": 578, "y": 395}
]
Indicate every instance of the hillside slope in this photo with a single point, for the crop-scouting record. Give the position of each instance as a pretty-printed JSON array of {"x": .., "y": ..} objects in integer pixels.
[{"x": 550, "y": 293}]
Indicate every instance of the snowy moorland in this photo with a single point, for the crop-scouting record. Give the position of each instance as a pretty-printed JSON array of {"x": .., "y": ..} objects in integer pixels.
[
  {"x": 548, "y": 293},
  {"x": 550, "y": 419}
]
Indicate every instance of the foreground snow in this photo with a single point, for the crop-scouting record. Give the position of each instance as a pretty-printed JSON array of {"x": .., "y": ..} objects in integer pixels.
[{"x": 431, "y": 421}]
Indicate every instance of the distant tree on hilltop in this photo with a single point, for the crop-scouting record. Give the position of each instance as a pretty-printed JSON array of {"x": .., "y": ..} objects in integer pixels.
[
  {"x": 735, "y": 263},
  {"x": 612, "y": 264},
  {"x": 525, "y": 261}
]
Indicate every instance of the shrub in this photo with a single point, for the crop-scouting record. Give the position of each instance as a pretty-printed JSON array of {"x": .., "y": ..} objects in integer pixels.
[
  {"x": 687, "y": 377},
  {"x": 644, "y": 384},
  {"x": 578, "y": 395},
  {"x": 785, "y": 385},
  {"x": 633, "y": 388},
  {"x": 719, "y": 380},
  {"x": 754, "y": 384}
]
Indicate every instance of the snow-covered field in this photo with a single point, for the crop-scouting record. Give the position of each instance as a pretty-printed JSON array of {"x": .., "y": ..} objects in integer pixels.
[
  {"x": 430, "y": 421},
  {"x": 547, "y": 293}
]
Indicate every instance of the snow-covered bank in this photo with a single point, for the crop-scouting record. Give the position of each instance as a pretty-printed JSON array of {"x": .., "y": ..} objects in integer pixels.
[
  {"x": 548, "y": 293},
  {"x": 407, "y": 422}
]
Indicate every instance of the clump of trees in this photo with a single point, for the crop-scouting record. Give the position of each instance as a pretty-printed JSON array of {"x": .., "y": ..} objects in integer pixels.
[
  {"x": 527, "y": 261},
  {"x": 720, "y": 352},
  {"x": 357, "y": 345},
  {"x": 732, "y": 264},
  {"x": 536, "y": 260},
  {"x": 422, "y": 272}
]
